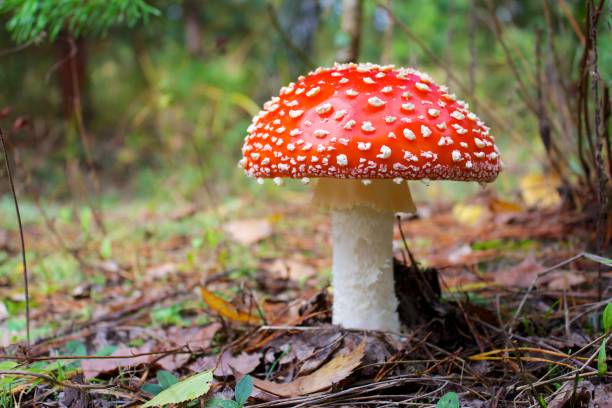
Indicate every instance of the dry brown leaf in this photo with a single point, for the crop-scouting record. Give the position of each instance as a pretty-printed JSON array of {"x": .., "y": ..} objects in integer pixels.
[
  {"x": 227, "y": 364},
  {"x": 290, "y": 268},
  {"x": 520, "y": 275},
  {"x": 161, "y": 271},
  {"x": 248, "y": 232},
  {"x": 226, "y": 309},
  {"x": 93, "y": 368},
  {"x": 329, "y": 374}
]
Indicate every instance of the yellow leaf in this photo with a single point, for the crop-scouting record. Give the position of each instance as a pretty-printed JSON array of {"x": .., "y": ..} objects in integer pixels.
[
  {"x": 324, "y": 378},
  {"x": 469, "y": 214},
  {"x": 503, "y": 206},
  {"x": 539, "y": 190},
  {"x": 226, "y": 309}
]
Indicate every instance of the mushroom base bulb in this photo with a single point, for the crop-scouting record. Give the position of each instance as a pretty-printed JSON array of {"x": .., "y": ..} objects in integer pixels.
[
  {"x": 363, "y": 285},
  {"x": 380, "y": 194}
]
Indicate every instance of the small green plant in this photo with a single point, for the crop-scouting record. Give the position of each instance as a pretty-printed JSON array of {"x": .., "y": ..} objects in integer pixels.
[
  {"x": 181, "y": 391},
  {"x": 606, "y": 322},
  {"x": 243, "y": 391},
  {"x": 165, "y": 380},
  {"x": 449, "y": 400}
]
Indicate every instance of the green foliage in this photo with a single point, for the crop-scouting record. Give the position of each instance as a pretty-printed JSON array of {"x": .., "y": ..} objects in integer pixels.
[
  {"x": 449, "y": 400},
  {"x": 185, "y": 390},
  {"x": 602, "y": 366},
  {"x": 243, "y": 391},
  {"x": 606, "y": 318},
  {"x": 31, "y": 18},
  {"x": 165, "y": 380}
]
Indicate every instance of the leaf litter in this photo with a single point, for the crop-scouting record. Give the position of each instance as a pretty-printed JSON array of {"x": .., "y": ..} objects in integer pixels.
[{"x": 492, "y": 334}]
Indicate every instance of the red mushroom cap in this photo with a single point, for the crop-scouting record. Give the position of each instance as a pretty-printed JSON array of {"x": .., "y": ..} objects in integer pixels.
[{"x": 369, "y": 121}]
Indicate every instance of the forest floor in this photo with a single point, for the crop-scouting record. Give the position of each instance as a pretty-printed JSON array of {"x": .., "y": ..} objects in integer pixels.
[{"x": 122, "y": 310}]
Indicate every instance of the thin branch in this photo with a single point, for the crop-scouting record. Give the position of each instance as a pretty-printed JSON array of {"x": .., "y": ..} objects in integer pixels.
[
  {"x": 23, "y": 251},
  {"x": 283, "y": 35},
  {"x": 52, "y": 380}
]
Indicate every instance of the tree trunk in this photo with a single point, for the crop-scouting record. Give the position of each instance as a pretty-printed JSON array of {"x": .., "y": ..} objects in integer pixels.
[
  {"x": 193, "y": 28},
  {"x": 72, "y": 68}
]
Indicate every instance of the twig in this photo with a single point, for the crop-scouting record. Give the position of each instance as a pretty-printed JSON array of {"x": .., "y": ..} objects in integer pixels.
[
  {"x": 23, "y": 251},
  {"x": 294, "y": 48},
  {"x": 53, "y": 380}
]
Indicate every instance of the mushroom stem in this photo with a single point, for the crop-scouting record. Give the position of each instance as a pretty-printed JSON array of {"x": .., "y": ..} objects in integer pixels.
[{"x": 364, "y": 295}]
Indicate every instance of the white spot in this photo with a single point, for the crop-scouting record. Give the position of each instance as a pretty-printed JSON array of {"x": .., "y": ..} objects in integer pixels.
[
  {"x": 380, "y": 75},
  {"x": 314, "y": 159},
  {"x": 390, "y": 119},
  {"x": 265, "y": 161},
  {"x": 434, "y": 113},
  {"x": 305, "y": 180},
  {"x": 342, "y": 160},
  {"x": 260, "y": 180},
  {"x": 351, "y": 92},
  {"x": 283, "y": 167},
  {"x": 479, "y": 143},
  {"x": 343, "y": 80},
  {"x": 468, "y": 164},
  {"x": 366, "y": 182},
  {"x": 255, "y": 156},
  {"x": 457, "y": 115},
  {"x": 376, "y": 102},
  {"x": 408, "y": 107},
  {"x": 408, "y": 156},
  {"x": 307, "y": 147},
  {"x": 291, "y": 147},
  {"x": 441, "y": 126},
  {"x": 463, "y": 144},
  {"x": 445, "y": 141},
  {"x": 480, "y": 155},
  {"x": 295, "y": 113},
  {"x": 492, "y": 156},
  {"x": 472, "y": 116},
  {"x": 425, "y": 131},
  {"x": 340, "y": 114},
  {"x": 295, "y": 132},
  {"x": 301, "y": 158},
  {"x": 391, "y": 135},
  {"x": 324, "y": 108},
  {"x": 349, "y": 125},
  {"x": 320, "y": 133},
  {"x": 406, "y": 95},
  {"x": 398, "y": 180},
  {"x": 278, "y": 181},
  {"x": 363, "y": 146},
  {"x": 387, "y": 89},
  {"x": 367, "y": 127},
  {"x": 313, "y": 91},
  {"x": 422, "y": 87},
  {"x": 456, "y": 155},
  {"x": 409, "y": 134},
  {"x": 368, "y": 80},
  {"x": 385, "y": 152},
  {"x": 280, "y": 129}
]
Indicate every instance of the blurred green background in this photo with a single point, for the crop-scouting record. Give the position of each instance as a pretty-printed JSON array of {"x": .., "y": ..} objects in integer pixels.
[{"x": 165, "y": 89}]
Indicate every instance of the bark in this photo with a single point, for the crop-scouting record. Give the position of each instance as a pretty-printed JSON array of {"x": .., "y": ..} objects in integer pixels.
[
  {"x": 193, "y": 28},
  {"x": 352, "y": 12}
]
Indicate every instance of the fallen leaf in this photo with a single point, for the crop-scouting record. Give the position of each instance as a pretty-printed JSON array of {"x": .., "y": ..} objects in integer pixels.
[
  {"x": 581, "y": 394},
  {"x": 248, "y": 232},
  {"x": 325, "y": 377},
  {"x": 161, "y": 271},
  {"x": 289, "y": 268},
  {"x": 470, "y": 214},
  {"x": 539, "y": 190},
  {"x": 502, "y": 206},
  {"x": 228, "y": 364},
  {"x": 228, "y": 310},
  {"x": 520, "y": 275},
  {"x": 94, "y": 367},
  {"x": 563, "y": 280}
]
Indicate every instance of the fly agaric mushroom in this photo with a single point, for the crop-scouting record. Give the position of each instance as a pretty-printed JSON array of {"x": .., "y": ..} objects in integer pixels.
[{"x": 363, "y": 129}]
